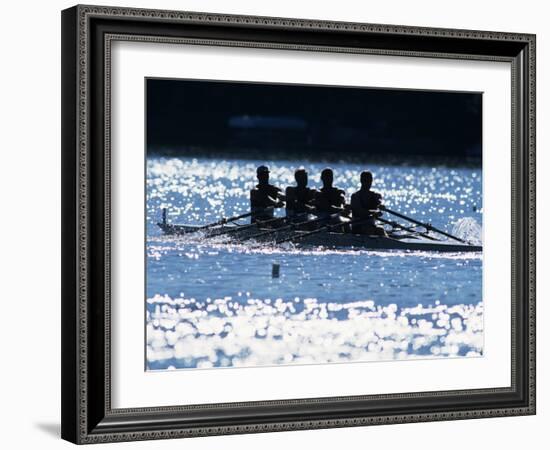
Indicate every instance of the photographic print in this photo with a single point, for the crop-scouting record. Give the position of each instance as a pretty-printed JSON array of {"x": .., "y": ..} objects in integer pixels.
[
  {"x": 345, "y": 209},
  {"x": 311, "y": 224}
]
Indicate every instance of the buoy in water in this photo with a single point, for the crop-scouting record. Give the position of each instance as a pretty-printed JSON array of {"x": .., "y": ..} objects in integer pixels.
[{"x": 275, "y": 269}]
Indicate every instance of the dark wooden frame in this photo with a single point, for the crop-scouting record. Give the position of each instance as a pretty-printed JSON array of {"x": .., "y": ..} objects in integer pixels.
[{"x": 87, "y": 32}]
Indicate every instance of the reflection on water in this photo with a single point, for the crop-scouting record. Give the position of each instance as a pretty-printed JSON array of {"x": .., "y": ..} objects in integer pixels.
[{"x": 215, "y": 305}]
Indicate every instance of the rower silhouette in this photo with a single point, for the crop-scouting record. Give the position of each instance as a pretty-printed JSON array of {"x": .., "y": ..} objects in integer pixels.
[
  {"x": 331, "y": 200},
  {"x": 364, "y": 208},
  {"x": 265, "y": 197},
  {"x": 300, "y": 199}
]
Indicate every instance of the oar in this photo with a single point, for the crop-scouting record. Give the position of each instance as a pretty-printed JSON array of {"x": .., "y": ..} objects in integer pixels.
[
  {"x": 319, "y": 230},
  {"x": 222, "y": 221},
  {"x": 258, "y": 223},
  {"x": 425, "y": 225},
  {"x": 286, "y": 227},
  {"x": 403, "y": 227}
]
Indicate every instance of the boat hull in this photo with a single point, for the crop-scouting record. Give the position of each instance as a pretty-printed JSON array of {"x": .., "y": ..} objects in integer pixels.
[{"x": 348, "y": 240}]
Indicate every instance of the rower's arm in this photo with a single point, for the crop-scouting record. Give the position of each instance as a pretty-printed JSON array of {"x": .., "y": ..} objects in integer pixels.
[
  {"x": 324, "y": 204},
  {"x": 336, "y": 209},
  {"x": 277, "y": 202},
  {"x": 281, "y": 196},
  {"x": 378, "y": 199}
]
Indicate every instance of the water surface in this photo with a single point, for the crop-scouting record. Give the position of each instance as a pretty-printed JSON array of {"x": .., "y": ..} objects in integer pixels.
[{"x": 215, "y": 305}]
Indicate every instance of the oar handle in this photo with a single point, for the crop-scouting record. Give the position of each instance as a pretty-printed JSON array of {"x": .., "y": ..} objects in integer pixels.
[{"x": 425, "y": 225}]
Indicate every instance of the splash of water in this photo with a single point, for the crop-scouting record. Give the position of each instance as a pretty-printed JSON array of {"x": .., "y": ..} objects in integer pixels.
[{"x": 468, "y": 229}]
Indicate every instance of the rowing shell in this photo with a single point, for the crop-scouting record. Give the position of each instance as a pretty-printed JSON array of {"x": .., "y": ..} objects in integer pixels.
[{"x": 394, "y": 241}]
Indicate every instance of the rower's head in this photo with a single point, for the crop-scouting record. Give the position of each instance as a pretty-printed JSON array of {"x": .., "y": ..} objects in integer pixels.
[
  {"x": 366, "y": 179},
  {"x": 301, "y": 177},
  {"x": 327, "y": 177},
  {"x": 262, "y": 173}
]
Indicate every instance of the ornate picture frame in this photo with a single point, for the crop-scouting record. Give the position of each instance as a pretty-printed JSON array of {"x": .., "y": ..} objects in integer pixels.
[{"x": 87, "y": 35}]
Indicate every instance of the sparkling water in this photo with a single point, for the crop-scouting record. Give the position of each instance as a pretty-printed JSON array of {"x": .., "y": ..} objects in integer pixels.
[{"x": 210, "y": 304}]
